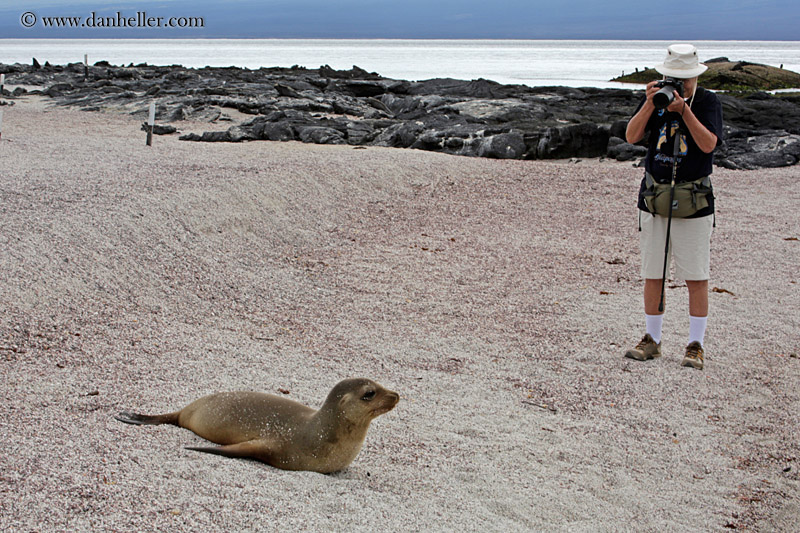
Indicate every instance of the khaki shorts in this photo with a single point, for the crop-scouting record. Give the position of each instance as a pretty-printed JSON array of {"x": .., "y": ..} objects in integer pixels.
[{"x": 690, "y": 246}]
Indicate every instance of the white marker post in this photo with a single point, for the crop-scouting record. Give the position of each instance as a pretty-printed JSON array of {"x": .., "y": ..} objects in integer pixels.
[
  {"x": 2, "y": 82},
  {"x": 151, "y": 120},
  {"x": 85, "y": 66}
]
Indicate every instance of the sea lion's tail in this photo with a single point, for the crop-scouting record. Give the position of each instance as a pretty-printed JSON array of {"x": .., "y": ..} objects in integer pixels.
[{"x": 143, "y": 420}]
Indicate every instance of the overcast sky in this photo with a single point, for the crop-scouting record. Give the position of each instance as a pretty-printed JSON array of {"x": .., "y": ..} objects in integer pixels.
[{"x": 434, "y": 19}]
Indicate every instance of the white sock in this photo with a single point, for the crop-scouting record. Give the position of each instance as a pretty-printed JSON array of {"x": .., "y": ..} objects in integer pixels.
[
  {"x": 697, "y": 328},
  {"x": 653, "y": 326}
]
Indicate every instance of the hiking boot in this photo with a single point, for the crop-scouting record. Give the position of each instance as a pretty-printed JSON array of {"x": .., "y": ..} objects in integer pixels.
[
  {"x": 694, "y": 356},
  {"x": 646, "y": 349}
]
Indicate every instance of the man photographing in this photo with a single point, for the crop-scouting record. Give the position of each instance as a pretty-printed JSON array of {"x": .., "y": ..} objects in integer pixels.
[{"x": 683, "y": 125}]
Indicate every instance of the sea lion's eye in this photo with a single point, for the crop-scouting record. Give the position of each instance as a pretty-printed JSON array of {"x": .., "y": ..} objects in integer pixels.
[{"x": 368, "y": 396}]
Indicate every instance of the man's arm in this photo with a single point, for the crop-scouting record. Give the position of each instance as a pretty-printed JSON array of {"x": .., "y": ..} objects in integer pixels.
[
  {"x": 638, "y": 123},
  {"x": 703, "y": 138}
]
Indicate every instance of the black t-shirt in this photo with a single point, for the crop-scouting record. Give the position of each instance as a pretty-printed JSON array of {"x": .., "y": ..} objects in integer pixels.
[{"x": 693, "y": 163}]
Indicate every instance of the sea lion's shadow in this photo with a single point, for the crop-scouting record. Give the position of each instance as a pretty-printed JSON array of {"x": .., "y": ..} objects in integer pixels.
[{"x": 348, "y": 474}]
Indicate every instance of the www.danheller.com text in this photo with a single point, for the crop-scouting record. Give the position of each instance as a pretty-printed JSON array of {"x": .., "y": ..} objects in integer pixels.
[{"x": 141, "y": 19}]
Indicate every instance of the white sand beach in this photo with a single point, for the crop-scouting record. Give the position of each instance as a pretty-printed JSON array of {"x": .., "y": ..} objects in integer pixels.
[{"x": 496, "y": 297}]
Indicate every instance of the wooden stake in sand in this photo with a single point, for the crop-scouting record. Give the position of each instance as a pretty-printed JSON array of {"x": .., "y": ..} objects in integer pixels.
[{"x": 151, "y": 120}]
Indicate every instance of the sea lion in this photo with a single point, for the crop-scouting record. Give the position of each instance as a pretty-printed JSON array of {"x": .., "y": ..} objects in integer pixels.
[{"x": 279, "y": 431}]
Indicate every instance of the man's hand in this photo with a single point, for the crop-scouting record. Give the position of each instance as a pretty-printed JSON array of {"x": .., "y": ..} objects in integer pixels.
[
  {"x": 651, "y": 90},
  {"x": 678, "y": 104}
]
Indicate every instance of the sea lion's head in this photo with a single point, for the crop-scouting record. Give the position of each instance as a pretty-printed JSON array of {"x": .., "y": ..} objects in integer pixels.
[{"x": 360, "y": 400}]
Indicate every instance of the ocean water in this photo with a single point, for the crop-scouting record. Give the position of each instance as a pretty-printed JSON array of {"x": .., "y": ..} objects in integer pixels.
[{"x": 537, "y": 62}]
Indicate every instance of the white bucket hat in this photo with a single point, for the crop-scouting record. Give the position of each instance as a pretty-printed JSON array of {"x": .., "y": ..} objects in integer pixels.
[{"x": 681, "y": 62}]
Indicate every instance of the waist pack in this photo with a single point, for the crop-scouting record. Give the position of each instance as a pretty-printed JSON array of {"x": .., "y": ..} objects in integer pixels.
[{"x": 690, "y": 197}]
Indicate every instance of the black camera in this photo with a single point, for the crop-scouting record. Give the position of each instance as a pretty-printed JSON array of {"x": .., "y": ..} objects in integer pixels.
[{"x": 664, "y": 96}]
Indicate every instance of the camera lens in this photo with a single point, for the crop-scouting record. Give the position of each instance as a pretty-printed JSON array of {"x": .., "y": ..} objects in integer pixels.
[{"x": 663, "y": 97}]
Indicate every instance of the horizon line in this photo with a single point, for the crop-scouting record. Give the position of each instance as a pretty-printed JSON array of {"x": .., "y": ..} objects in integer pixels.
[{"x": 185, "y": 38}]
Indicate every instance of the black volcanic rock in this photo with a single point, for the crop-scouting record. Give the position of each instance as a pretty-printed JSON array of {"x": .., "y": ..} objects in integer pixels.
[
  {"x": 285, "y": 90},
  {"x": 622, "y": 151},
  {"x": 760, "y": 110},
  {"x": 473, "y": 89},
  {"x": 479, "y": 118},
  {"x": 399, "y": 135},
  {"x": 321, "y": 135},
  {"x": 161, "y": 129},
  {"x": 581, "y": 140},
  {"x": 361, "y": 88},
  {"x": 503, "y": 146},
  {"x": 354, "y": 73},
  {"x": 748, "y": 150}
]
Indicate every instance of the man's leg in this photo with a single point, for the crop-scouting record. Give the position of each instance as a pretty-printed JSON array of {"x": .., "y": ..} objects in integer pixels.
[
  {"x": 698, "y": 310},
  {"x": 698, "y": 297},
  {"x": 692, "y": 263},
  {"x": 652, "y": 295},
  {"x": 651, "y": 241},
  {"x": 653, "y": 318},
  {"x": 698, "y": 317},
  {"x": 650, "y": 345}
]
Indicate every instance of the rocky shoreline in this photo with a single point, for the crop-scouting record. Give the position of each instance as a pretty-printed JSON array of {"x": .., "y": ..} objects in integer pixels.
[
  {"x": 472, "y": 118},
  {"x": 733, "y": 76}
]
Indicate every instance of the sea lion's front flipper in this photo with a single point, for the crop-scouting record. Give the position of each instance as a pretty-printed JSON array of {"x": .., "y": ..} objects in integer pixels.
[{"x": 254, "y": 449}]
